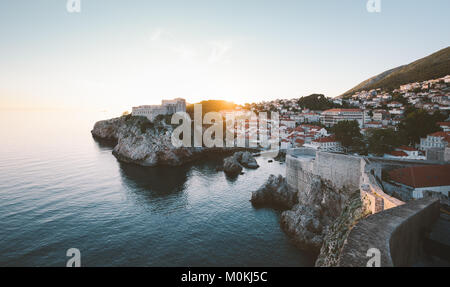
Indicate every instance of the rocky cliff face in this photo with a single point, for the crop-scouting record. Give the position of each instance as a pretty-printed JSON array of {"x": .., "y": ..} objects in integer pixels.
[
  {"x": 338, "y": 231},
  {"x": 148, "y": 143},
  {"x": 308, "y": 216},
  {"x": 274, "y": 193}
]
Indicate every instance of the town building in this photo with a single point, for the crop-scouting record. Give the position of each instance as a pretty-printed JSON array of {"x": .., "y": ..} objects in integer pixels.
[
  {"x": 435, "y": 140},
  {"x": 423, "y": 178},
  {"x": 333, "y": 116},
  {"x": 329, "y": 144},
  {"x": 445, "y": 126},
  {"x": 167, "y": 107}
]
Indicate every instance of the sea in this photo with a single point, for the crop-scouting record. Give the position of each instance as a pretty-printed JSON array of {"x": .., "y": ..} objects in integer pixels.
[{"x": 61, "y": 189}]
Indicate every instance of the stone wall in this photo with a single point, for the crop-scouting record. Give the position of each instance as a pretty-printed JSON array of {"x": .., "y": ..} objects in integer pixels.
[
  {"x": 341, "y": 170},
  {"x": 397, "y": 233}
]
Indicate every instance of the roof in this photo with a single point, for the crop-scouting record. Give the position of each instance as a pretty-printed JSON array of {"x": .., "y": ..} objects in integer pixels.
[
  {"x": 398, "y": 153},
  {"x": 342, "y": 111},
  {"x": 408, "y": 148},
  {"x": 440, "y": 134},
  {"x": 325, "y": 140},
  {"x": 446, "y": 124},
  {"x": 422, "y": 176},
  {"x": 373, "y": 123}
]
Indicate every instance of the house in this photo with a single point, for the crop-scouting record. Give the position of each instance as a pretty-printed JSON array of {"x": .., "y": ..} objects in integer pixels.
[
  {"x": 285, "y": 144},
  {"x": 445, "y": 126},
  {"x": 326, "y": 144},
  {"x": 396, "y": 154},
  {"x": 287, "y": 122},
  {"x": 299, "y": 142},
  {"x": 331, "y": 117},
  {"x": 423, "y": 178},
  {"x": 395, "y": 105},
  {"x": 435, "y": 140},
  {"x": 374, "y": 125}
]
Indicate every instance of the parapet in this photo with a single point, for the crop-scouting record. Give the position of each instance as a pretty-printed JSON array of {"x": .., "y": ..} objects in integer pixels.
[{"x": 397, "y": 233}]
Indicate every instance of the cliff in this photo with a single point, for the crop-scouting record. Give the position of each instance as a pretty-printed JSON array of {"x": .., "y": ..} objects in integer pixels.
[
  {"x": 339, "y": 230},
  {"x": 140, "y": 141}
]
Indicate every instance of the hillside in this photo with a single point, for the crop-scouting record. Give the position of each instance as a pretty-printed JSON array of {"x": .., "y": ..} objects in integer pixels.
[{"x": 433, "y": 66}]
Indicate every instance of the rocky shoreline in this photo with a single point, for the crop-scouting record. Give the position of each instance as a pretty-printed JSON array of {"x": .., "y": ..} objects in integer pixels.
[
  {"x": 318, "y": 219},
  {"x": 139, "y": 141}
]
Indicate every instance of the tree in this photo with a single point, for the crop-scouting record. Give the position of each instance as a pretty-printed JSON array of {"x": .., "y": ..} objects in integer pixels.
[
  {"x": 315, "y": 102},
  {"x": 381, "y": 141},
  {"x": 417, "y": 124},
  {"x": 349, "y": 135}
]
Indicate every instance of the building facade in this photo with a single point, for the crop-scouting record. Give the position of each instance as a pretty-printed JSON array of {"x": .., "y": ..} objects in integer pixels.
[
  {"x": 167, "y": 107},
  {"x": 435, "y": 140},
  {"x": 331, "y": 117}
]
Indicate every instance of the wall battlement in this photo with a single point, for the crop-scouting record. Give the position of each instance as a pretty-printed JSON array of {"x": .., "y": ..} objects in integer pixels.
[{"x": 342, "y": 171}]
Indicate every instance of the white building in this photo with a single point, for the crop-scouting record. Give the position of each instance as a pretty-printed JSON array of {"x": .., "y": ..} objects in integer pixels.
[
  {"x": 167, "y": 107},
  {"x": 445, "y": 126},
  {"x": 435, "y": 140},
  {"x": 326, "y": 144},
  {"x": 333, "y": 116}
]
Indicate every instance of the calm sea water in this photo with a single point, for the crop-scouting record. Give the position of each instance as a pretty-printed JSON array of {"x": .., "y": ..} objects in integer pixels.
[{"x": 60, "y": 189}]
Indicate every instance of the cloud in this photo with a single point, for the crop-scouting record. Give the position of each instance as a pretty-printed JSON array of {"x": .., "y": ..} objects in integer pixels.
[
  {"x": 206, "y": 52},
  {"x": 219, "y": 52}
]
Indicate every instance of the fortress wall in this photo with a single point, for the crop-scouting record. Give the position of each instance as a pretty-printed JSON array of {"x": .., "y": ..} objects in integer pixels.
[
  {"x": 341, "y": 170},
  {"x": 298, "y": 172},
  {"x": 397, "y": 233}
]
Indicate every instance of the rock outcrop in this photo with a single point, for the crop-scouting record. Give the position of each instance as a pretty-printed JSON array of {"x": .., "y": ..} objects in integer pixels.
[
  {"x": 139, "y": 141},
  {"x": 233, "y": 165},
  {"x": 247, "y": 160},
  {"x": 310, "y": 212},
  {"x": 274, "y": 193},
  {"x": 319, "y": 204},
  {"x": 333, "y": 242}
]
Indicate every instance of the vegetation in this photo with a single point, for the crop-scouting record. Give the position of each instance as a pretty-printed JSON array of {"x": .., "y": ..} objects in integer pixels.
[
  {"x": 418, "y": 123},
  {"x": 381, "y": 141},
  {"x": 431, "y": 67},
  {"x": 318, "y": 102},
  {"x": 349, "y": 135}
]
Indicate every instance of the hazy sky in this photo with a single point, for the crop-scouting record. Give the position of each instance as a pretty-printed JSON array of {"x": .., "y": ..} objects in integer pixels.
[{"x": 116, "y": 54}]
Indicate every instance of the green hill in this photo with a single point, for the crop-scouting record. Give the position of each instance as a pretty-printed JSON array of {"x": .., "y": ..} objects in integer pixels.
[{"x": 431, "y": 67}]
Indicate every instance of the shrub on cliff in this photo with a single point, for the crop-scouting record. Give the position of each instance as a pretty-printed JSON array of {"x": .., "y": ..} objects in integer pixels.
[{"x": 339, "y": 230}]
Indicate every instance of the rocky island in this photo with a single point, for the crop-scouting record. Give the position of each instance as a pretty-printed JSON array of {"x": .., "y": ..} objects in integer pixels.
[{"x": 148, "y": 143}]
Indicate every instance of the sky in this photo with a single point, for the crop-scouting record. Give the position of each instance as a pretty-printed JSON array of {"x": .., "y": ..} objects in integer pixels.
[{"x": 113, "y": 54}]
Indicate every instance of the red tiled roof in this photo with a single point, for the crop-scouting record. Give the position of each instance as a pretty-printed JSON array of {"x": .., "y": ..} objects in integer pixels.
[
  {"x": 422, "y": 176},
  {"x": 447, "y": 124},
  {"x": 408, "y": 148},
  {"x": 398, "y": 153},
  {"x": 440, "y": 134},
  {"x": 341, "y": 110},
  {"x": 300, "y": 141}
]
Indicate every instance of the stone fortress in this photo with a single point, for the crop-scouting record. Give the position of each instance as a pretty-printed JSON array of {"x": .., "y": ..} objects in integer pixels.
[
  {"x": 167, "y": 107},
  {"x": 398, "y": 229}
]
